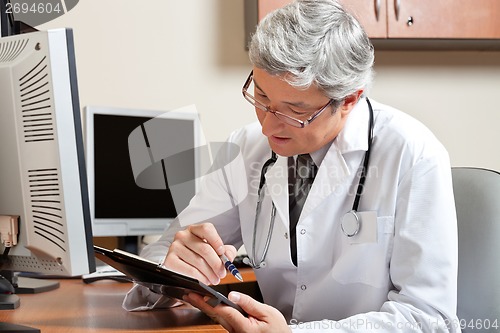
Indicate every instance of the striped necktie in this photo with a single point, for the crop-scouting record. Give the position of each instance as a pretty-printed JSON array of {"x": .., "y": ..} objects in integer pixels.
[{"x": 300, "y": 181}]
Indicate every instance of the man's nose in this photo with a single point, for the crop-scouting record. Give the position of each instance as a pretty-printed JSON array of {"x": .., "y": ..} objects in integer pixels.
[{"x": 271, "y": 124}]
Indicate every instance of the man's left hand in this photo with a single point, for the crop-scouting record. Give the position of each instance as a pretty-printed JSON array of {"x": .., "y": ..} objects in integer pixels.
[{"x": 261, "y": 317}]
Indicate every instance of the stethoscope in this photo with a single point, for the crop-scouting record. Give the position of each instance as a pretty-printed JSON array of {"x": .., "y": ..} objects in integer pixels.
[{"x": 350, "y": 223}]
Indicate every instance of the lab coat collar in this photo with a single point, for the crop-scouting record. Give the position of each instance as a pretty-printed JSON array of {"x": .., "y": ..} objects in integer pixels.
[
  {"x": 354, "y": 135},
  {"x": 334, "y": 170},
  {"x": 332, "y": 174}
]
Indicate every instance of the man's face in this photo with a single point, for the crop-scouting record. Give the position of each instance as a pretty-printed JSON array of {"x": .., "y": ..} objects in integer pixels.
[{"x": 285, "y": 139}]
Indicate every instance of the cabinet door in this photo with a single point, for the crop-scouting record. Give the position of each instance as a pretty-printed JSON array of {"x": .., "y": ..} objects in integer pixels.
[
  {"x": 419, "y": 19},
  {"x": 372, "y": 14},
  {"x": 447, "y": 19}
]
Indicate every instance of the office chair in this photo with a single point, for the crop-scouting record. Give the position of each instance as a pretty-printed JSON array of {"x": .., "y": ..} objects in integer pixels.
[{"x": 477, "y": 200}]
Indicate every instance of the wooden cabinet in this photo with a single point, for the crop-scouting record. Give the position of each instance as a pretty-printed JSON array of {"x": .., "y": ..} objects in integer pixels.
[
  {"x": 419, "y": 19},
  {"x": 372, "y": 14}
]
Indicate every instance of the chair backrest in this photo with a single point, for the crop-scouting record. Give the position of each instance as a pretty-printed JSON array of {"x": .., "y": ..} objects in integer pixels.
[{"x": 477, "y": 200}]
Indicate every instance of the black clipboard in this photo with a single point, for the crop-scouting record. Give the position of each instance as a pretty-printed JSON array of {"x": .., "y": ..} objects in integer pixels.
[{"x": 159, "y": 279}]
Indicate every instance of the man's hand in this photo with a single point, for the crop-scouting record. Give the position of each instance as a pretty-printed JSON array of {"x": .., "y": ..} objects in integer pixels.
[
  {"x": 261, "y": 317},
  {"x": 195, "y": 252}
]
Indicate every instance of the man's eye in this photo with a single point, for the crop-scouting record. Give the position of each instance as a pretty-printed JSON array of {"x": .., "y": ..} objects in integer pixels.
[
  {"x": 298, "y": 112},
  {"x": 261, "y": 97}
]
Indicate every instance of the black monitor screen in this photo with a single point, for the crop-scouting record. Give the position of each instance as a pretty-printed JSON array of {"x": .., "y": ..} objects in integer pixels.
[{"x": 116, "y": 193}]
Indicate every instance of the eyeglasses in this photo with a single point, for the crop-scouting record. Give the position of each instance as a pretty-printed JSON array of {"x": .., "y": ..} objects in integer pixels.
[{"x": 281, "y": 116}]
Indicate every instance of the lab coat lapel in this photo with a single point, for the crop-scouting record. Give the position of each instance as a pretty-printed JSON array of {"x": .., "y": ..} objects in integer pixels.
[
  {"x": 334, "y": 169},
  {"x": 277, "y": 187},
  {"x": 332, "y": 174}
]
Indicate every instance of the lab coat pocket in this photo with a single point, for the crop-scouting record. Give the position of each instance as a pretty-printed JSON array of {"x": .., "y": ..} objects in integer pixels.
[{"x": 367, "y": 262}]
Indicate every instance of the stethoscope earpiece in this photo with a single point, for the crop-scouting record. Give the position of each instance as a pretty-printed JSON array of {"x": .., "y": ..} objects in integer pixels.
[
  {"x": 250, "y": 263},
  {"x": 247, "y": 261}
]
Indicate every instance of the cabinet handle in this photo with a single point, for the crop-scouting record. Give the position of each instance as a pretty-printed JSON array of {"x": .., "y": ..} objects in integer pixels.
[
  {"x": 377, "y": 9},
  {"x": 397, "y": 5}
]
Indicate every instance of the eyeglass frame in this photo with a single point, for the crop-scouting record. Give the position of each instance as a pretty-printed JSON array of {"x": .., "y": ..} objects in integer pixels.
[{"x": 289, "y": 120}]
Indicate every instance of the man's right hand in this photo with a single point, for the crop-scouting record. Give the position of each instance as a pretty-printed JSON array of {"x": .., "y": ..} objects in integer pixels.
[{"x": 195, "y": 252}]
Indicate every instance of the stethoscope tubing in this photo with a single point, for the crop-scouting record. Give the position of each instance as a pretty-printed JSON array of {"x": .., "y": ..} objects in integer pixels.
[
  {"x": 353, "y": 231},
  {"x": 366, "y": 161},
  {"x": 270, "y": 162}
]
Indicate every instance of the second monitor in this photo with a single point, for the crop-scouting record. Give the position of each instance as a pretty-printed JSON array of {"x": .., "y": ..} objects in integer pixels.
[{"x": 119, "y": 206}]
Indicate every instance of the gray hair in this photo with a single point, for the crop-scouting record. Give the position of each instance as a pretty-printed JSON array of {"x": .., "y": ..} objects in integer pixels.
[{"x": 318, "y": 43}]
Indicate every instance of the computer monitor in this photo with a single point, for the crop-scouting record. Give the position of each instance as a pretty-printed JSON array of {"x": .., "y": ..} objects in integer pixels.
[
  {"x": 42, "y": 167},
  {"x": 120, "y": 204}
]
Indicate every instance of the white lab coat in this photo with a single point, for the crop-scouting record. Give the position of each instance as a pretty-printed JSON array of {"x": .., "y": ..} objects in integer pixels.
[{"x": 399, "y": 276}]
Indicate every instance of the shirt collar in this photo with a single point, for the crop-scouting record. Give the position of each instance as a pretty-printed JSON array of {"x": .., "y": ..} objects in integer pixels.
[{"x": 318, "y": 155}]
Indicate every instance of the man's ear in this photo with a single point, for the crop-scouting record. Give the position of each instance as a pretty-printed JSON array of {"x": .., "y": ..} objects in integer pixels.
[{"x": 350, "y": 101}]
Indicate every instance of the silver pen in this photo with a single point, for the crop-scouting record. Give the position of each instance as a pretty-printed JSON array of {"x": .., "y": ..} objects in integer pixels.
[{"x": 230, "y": 267}]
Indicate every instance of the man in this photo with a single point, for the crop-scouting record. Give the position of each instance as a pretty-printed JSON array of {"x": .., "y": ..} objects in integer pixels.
[{"x": 374, "y": 245}]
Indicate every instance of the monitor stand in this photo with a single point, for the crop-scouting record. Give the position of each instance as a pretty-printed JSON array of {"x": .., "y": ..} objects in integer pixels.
[
  {"x": 9, "y": 302},
  {"x": 15, "y": 328},
  {"x": 28, "y": 285},
  {"x": 22, "y": 285}
]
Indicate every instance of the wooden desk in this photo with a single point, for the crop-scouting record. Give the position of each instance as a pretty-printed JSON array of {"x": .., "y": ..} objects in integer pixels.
[{"x": 77, "y": 307}]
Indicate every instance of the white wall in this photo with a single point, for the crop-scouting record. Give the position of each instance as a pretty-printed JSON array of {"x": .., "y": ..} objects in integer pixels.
[
  {"x": 454, "y": 93},
  {"x": 164, "y": 54}
]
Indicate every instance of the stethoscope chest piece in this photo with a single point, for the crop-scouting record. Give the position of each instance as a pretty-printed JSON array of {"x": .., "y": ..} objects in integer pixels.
[{"x": 350, "y": 223}]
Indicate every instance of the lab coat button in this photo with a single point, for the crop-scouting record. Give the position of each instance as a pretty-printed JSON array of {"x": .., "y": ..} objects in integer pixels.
[
  {"x": 303, "y": 287},
  {"x": 303, "y": 231}
]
